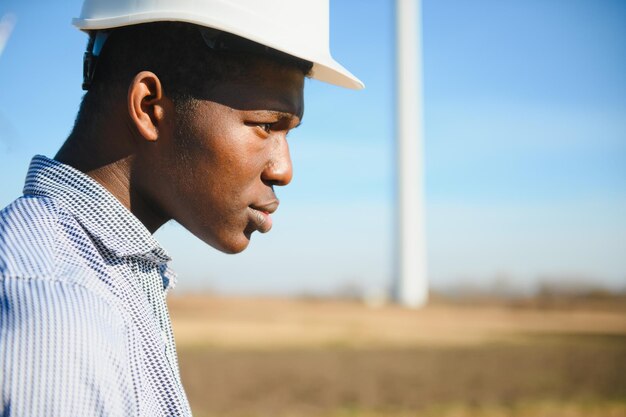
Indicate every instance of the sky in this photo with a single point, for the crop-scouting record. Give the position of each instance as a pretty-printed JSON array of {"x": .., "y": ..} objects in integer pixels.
[{"x": 525, "y": 148}]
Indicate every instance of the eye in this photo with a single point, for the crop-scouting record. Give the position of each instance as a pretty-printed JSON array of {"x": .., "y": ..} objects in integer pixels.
[{"x": 267, "y": 127}]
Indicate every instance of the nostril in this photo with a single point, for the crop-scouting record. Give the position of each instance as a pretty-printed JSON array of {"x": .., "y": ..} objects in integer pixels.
[
  {"x": 279, "y": 170},
  {"x": 278, "y": 174}
]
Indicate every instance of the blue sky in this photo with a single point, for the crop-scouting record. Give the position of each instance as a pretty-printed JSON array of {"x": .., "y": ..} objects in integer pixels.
[{"x": 525, "y": 141}]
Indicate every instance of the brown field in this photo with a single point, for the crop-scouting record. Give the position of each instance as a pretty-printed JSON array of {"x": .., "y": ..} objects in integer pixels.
[{"x": 287, "y": 357}]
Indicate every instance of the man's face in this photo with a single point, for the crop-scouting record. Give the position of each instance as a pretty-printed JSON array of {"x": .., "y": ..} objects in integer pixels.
[{"x": 227, "y": 153}]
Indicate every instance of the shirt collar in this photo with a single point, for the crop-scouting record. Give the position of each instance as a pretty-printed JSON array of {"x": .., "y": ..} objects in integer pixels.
[{"x": 95, "y": 208}]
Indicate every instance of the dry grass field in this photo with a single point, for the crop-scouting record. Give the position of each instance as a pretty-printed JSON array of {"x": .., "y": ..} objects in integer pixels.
[{"x": 258, "y": 357}]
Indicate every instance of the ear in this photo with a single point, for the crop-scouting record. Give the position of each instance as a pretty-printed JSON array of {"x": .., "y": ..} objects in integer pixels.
[{"x": 146, "y": 106}]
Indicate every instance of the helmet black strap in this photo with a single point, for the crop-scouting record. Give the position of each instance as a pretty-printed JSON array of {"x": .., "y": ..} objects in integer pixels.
[{"x": 90, "y": 59}]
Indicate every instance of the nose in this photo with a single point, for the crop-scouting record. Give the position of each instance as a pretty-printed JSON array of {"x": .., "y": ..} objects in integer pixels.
[{"x": 279, "y": 169}]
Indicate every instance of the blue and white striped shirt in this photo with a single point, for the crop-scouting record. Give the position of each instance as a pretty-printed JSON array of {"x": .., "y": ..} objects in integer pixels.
[{"x": 84, "y": 328}]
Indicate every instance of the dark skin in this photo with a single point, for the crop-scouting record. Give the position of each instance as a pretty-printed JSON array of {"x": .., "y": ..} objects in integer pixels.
[{"x": 212, "y": 169}]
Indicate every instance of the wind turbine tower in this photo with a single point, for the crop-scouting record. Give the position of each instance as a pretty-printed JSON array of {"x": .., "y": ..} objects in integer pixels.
[{"x": 411, "y": 285}]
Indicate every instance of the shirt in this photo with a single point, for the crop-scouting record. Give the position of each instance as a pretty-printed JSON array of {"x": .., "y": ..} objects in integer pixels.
[{"x": 84, "y": 327}]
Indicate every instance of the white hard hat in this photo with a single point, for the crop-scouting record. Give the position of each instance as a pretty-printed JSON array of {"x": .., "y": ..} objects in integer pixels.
[{"x": 296, "y": 27}]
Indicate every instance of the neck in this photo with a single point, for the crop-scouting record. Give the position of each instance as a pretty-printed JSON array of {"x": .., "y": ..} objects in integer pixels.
[{"x": 111, "y": 165}]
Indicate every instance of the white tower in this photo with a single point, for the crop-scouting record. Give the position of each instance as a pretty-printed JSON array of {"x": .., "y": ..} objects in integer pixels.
[{"x": 411, "y": 286}]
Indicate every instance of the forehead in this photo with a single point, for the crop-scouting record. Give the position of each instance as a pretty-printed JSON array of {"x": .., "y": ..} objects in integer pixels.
[{"x": 267, "y": 86}]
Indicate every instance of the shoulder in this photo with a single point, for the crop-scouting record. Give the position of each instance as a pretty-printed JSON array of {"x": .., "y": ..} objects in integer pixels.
[
  {"x": 29, "y": 229},
  {"x": 39, "y": 238},
  {"x": 65, "y": 346}
]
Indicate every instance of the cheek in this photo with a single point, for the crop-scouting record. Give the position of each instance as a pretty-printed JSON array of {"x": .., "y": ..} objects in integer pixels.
[
  {"x": 220, "y": 183},
  {"x": 238, "y": 161}
]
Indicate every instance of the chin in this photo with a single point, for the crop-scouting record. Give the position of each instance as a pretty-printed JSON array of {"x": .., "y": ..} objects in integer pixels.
[
  {"x": 232, "y": 247},
  {"x": 228, "y": 242}
]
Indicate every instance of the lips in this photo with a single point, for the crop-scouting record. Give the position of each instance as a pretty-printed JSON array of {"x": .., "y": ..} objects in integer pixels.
[{"x": 260, "y": 215}]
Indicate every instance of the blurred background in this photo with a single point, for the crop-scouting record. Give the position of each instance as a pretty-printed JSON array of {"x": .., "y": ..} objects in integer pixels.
[{"x": 525, "y": 152}]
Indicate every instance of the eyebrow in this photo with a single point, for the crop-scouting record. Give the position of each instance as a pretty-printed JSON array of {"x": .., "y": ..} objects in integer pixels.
[{"x": 281, "y": 115}]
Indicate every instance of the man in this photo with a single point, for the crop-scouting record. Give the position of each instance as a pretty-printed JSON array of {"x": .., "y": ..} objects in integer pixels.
[{"x": 186, "y": 116}]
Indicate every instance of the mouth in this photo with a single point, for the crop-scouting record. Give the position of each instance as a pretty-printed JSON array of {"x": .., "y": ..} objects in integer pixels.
[{"x": 261, "y": 215}]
